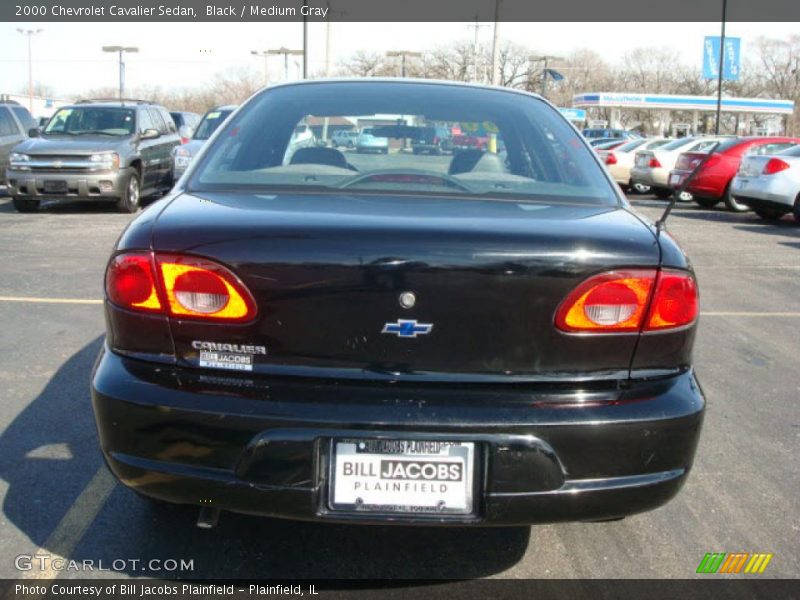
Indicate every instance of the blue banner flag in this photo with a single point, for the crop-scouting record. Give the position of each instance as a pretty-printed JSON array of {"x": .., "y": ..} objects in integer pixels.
[{"x": 731, "y": 66}]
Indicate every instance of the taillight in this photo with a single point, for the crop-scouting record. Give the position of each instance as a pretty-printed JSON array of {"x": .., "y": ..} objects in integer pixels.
[
  {"x": 188, "y": 287},
  {"x": 674, "y": 302},
  {"x": 775, "y": 165},
  {"x": 629, "y": 301},
  {"x": 654, "y": 164},
  {"x": 184, "y": 140},
  {"x": 130, "y": 283},
  {"x": 197, "y": 288},
  {"x": 611, "y": 159}
]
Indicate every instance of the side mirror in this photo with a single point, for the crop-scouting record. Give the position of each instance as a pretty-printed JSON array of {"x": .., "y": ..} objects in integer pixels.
[
  {"x": 34, "y": 132},
  {"x": 150, "y": 134}
]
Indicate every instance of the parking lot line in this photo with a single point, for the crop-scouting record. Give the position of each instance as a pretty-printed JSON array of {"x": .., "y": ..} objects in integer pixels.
[
  {"x": 73, "y": 525},
  {"x": 748, "y": 314},
  {"x": 49, "y": 300}
]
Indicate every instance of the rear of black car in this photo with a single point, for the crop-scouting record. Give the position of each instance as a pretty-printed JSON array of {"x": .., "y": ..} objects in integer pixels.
[{"x": 488, "y": 339}]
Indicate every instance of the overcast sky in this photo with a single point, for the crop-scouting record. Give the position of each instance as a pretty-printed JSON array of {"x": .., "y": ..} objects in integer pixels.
[{"x": 68, "y": 57}]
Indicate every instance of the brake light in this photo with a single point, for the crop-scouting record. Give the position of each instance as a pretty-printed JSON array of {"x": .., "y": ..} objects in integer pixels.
[
  {"x": 654, "y": 164},
  {"x": 674, "y": 302},
  {"x": 200, "y": 289},
  {"x": 130, "y": 283},
  {"x": 629, "y": 301},
  {"x": 187, "y": 287},
  {"x": 775, "y": 165},
  {"x": 611, "y": 159},
  {"x": 184, "y": 140}
]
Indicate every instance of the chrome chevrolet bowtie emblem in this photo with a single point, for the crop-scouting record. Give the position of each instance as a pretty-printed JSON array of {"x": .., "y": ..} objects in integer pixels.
[{"x": 406, "y": 328}]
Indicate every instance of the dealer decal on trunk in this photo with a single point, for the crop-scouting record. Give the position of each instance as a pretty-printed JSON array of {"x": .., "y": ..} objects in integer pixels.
[{"x": 234, "y": 357}]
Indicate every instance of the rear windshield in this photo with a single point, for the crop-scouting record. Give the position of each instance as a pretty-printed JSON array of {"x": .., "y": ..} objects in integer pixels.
[
  {"x": 793, "y": 151},
  {"x": 92, "y": 120},
  {"x": 678, "y": 143},
  {"x": 628, "y": 146},
  {"x": 527, "y": 150},
  {"x": 209, "y": 124}
]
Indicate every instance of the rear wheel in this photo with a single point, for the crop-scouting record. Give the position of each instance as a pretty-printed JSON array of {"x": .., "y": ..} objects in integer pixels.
[
  {"x": 639, "y": 188},
  {"x": 131, "y": 194},
  {"x": 707, "y": 202},
  {"x": 24, "y": 205},
  {"x": 796, "y": 210},
  {"x": 683, "y": 196},
  {"x": 769, "y": 214},
  {"x": 732, "y": 203}
]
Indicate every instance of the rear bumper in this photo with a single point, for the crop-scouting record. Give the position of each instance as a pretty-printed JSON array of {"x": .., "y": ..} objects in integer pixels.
[
  {"x": 766, "y": 192},
  {"x": 649, "y": 176},
  {"x": 88, "y": 186},
  {"x": 262, "y": 447}
]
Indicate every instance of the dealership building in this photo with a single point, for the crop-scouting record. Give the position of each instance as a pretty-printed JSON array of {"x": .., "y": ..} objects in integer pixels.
[{"x": 672, "y": 111}]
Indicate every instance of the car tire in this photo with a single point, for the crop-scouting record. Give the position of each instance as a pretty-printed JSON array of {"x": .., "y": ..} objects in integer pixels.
[
  {"x": 706, "y": 202},
  {"x": 131, "y": 193},
  {"x": 683, "y": 196},
  {"x": 796, "y": 210},
  {"x": 769, "y": 214},
  {"x": 731, "y": 202},
  {"x": 638, "y": 188},
  {"x": 662, "y": 193},
  {"x": 25, "y": 205}
]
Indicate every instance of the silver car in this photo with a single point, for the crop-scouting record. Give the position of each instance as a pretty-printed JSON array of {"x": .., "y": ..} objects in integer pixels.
[
  {"x": 182, "y": 155},
  {"x": 770, "y": 184},
  {"x": 367, "y": 142}
]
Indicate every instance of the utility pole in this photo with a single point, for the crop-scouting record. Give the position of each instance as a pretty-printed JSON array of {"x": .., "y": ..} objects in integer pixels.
[
  {"x": 476, "y": 66},
  {"x": 544, "y": 59},
  {"x": 121, "y": 50},
  {"x": 403, "y": 54},
  {"x": 496, "y": 45},
  {"x": 305, "y": 40},
  {"x": 265, "y": 54},
  {"x": 286, "y": 52},
  {"x": 30, "y": 33},
  {"x": 328, "y": 39},
  {"x": 721, "y": 63}
]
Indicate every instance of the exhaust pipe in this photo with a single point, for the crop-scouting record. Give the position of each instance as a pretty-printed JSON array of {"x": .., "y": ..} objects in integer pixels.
[{"x": 208, "y": 517}]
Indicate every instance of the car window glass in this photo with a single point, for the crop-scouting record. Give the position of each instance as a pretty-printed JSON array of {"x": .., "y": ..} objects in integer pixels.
[
  {"x": 498, "y": 144},
  {"x": 92, "y": 120},
  {"x": 793, "y": 151},
  {"x": 158, "y": 120},
  {"x": 145, "y": 121},
  {"x": 7, "y": 126},
  {"x": 24, "y": 117}
]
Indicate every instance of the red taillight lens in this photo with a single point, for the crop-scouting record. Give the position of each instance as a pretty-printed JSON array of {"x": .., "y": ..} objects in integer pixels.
[
  {"x": 187, "y": 287},
  {"x": 617, "y": 302},
  {"x": 130, "y": 283},
  {"x": 184, "y": 140},
  {"x": 196, "y": 288},
  {"x": 775, "y": 165},
  {"x": 674, "y": 303},
  {"x": 611, "y": 159},
  {"x": 654, "y": 164}
]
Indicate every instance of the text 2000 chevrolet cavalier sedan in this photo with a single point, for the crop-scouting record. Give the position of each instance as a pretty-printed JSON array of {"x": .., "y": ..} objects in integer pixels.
[{"x": 487, "y": 338}]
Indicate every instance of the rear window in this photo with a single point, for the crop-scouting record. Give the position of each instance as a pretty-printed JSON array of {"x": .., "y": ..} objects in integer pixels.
[
  {"x": 209, "y": 124},
  {"x": 541, "y": 157},
  {"x": 627, "y": 147},
  {"x": 793, "y": 151},
  {"x": 680, "y": 142}
]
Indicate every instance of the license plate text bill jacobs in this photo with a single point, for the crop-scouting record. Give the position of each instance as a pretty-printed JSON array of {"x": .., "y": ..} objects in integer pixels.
[{"x": 402, "y": 476}]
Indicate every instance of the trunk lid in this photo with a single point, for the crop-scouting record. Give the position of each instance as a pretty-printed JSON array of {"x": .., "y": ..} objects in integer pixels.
[{"x": 327, "y": 272}]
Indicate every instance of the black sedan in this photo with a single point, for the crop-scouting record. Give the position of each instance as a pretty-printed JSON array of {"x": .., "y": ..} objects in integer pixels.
[{"x": 487, "y": 338}]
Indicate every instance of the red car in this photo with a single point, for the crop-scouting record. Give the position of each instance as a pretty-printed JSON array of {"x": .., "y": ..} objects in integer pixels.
[{"x": 712, "y": 182}]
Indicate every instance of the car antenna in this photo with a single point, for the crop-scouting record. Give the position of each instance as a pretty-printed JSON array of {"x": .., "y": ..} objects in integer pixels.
[{"x": 661, "y": 224}]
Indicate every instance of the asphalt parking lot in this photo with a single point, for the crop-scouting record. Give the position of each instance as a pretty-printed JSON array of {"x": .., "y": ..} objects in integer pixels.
[{"x": 57, "y": 498}]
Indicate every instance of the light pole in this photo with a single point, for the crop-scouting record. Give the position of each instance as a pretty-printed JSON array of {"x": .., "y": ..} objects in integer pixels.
[
  {"x": 121, "y": 50},
  {"x": 30, "y": 33},
  {"x": 286, "y": 52},
  {"x": 265, "y": 54},
  {"x": 403, "y": 54},
  {"x": 721, "y": 65}
]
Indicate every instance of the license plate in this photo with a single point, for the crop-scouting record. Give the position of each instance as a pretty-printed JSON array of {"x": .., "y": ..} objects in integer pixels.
[
  {"x": 402, "y": 476},
  {"x": 675, "y": 179},
  {"x": 55, "y": 187}
]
